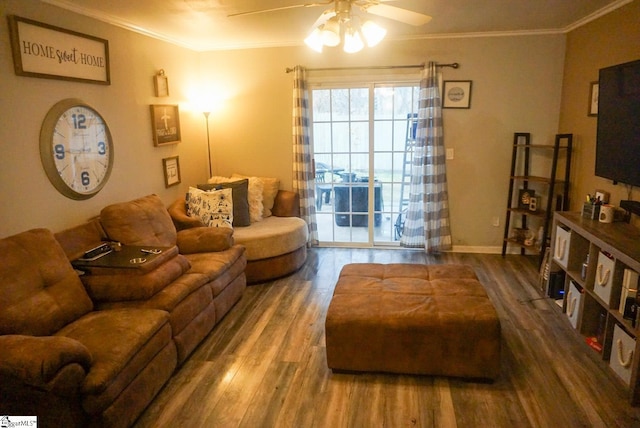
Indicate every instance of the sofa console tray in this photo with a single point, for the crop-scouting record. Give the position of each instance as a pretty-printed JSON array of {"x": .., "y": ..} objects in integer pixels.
[{"x": 135, "y": 257}]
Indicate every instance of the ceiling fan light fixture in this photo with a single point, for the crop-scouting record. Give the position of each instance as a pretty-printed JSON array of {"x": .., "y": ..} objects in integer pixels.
[
  {"x": 314, "y": 40},
  {"x": 373, "y": 33},
  {"x": 352, "y": 41},
  {"x": 331, "y": 32}
]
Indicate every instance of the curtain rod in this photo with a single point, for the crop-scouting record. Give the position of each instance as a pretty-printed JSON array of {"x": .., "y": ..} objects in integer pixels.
[{"x": 379, "y": 67}]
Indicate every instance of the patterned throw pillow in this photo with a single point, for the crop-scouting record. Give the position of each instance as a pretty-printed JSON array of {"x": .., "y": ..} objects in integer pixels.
[
  {"x": 239, "y": 195},
  {"x": 214, "y": 208}
]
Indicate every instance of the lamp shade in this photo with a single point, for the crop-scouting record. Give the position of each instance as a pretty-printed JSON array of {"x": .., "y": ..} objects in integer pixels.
[
  {"x": 373, "y": 33},
  {"x": 331, "y": 32},
  {"x": 314, "y": 40},
  {"x": 352, "y": 41}
]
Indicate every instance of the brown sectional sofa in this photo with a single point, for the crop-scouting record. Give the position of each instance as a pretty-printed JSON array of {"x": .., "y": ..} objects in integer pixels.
[{"x": 94, "y": 349}]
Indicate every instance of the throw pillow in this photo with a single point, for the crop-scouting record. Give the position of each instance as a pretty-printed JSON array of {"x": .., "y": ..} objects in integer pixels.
[
  {"x": 219, "y": 179},
  {"x": 215, "y": 208},
  {"x": 256, "y": 206},
  {"x": 270, "y": 186},
  {"x": 239, "y": 192}
]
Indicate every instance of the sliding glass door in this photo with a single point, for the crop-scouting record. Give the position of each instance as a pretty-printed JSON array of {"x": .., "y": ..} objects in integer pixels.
[{"x": 362, "y": 138}]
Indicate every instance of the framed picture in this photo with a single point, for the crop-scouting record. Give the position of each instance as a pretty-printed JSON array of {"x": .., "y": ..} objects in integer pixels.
[
  {"x": 456, "y": 94},
  {"x": 165, "y": 124},
  {"x": 524, "y": 198},
  {"x": 593, "y": 99},
  {"x": 42, "y": 50},
  {"x": 161, "y": 84},
  {"x": 171, "y": 168}
]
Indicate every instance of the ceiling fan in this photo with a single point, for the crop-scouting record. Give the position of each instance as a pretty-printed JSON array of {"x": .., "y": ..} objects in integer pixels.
[{"x": 339, "y": 23}]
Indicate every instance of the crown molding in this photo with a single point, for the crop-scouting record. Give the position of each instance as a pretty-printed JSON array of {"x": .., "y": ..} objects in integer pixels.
[{"x": 206, "y": 47}]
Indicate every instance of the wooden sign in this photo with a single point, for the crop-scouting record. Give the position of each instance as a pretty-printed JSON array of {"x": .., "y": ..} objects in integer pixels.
[{"x": 42, "y": 50}]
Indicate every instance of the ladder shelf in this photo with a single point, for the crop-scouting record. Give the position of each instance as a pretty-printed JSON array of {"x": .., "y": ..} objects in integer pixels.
[{"x": 524, "y": 204}]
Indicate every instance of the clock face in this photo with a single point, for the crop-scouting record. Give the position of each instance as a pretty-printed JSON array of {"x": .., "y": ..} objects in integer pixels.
[{"x": 76, "y": 149}]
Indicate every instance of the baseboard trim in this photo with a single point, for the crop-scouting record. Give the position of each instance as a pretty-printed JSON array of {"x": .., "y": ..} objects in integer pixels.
[
  {"x": 469, "y": 249},
  {"x": 476, "y": 249}
]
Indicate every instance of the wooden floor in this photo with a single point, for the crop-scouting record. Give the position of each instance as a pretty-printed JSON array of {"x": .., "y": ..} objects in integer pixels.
[{"x": 264, "y": 365}]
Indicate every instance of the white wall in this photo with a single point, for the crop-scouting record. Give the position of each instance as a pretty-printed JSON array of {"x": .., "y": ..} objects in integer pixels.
[
  {"x": 28, "y": 198},
  {"x": 516, "y": 88}
]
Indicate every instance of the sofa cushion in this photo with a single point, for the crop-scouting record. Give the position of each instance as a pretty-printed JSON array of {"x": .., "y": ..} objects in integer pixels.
[
  {"x": 232, "y": 273},
  {"x": 273, "y": 236},
  {"x": 116, "y": 339},
  {"x": 40, "y": 292},
  {"x": 213, "y": 208},
  {"x": 143, "y": 221},
  {"x": 204, "y": 239},
  {"x": 169, "y": 297},
  {"x": 128, "y": 284},
  {"x": 287, "y": 204},
  {"x": 239, "y": 195},
  {"x": 212, "y": 265},
  {"x": 78, "y": 239}
]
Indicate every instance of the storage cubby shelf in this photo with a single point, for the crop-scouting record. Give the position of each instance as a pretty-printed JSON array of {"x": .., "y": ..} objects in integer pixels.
[{"x": 611, "y": 248}]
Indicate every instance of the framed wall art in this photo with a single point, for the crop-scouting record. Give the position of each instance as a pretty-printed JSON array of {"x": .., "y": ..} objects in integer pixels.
[
  {"x": 165, "y": 123},
  {"x": 161, "y": 84},
  {"x": 524, "y": 198},
  {"x": 171, "y": 168},
  {"x": 42, "y": 50},
  {"x": 456, "y": 94},
  {"x": 593, "y": 99}
]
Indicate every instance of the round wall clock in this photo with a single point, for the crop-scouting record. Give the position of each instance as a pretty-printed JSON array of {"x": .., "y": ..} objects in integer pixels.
[{"x": 76, "y": 149}]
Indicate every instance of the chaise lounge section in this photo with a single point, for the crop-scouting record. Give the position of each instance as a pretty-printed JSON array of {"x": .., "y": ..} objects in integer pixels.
[{"x": 275, "y": 246}]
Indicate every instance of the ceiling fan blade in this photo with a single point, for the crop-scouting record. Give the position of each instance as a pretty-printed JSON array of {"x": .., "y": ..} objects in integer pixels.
[
  {"x": 398, "y": 14},
  {"x": 274, "y": 9},
  {"x": 326, "y": 15}
]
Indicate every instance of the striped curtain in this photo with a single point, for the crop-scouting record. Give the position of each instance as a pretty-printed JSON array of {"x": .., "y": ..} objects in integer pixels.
[
  {"x": 427, "y": 222},
  {"x": 303, "y": 177}
]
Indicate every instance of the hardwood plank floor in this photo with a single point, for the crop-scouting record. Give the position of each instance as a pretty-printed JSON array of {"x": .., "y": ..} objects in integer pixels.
[{"x": 264, "y": 365}]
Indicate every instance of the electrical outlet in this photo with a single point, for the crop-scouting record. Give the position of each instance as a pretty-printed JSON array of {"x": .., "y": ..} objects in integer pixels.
[
  {"x": 496, "y": 221},
  {"x": 449, "y": 154}
]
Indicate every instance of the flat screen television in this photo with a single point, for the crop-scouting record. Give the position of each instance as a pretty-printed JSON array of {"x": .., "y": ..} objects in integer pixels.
[{"x": 618, "y": 138}]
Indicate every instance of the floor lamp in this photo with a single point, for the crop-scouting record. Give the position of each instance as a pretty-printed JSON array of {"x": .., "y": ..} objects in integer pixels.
[{"x": 206, "y": 117}]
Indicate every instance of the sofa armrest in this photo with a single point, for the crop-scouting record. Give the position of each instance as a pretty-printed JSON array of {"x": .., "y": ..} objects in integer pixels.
[
  {"x": 204, "y": 239},
  {"x": 52, "y": 363},
  {"x": 178, "y": 212},
  {"x": 287, "y": 204}
]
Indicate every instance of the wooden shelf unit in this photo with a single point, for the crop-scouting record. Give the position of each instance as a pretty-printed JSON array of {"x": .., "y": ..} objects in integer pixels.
[
  {"x": 520, "y": 178},
  {"x": 616, "y": 245}
]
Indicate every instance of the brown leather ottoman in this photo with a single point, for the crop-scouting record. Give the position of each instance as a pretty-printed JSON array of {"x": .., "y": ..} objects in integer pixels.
[{"x": 416, "y": 319}]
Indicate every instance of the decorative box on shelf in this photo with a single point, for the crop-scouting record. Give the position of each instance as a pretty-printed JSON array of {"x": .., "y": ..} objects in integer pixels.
[
  {"x": 524, "y": 198},
  {"x": 591, "y": 211}
]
